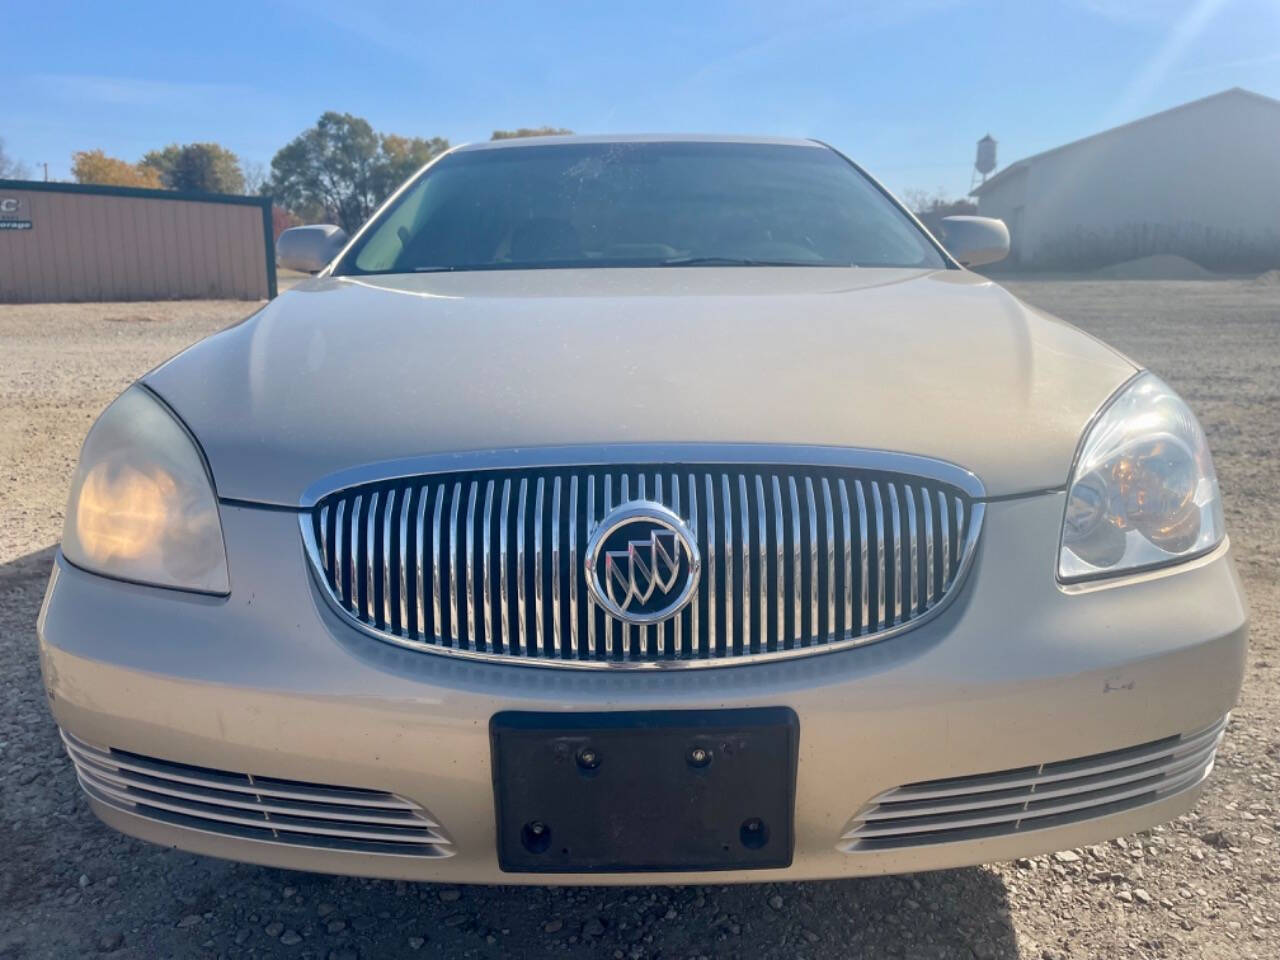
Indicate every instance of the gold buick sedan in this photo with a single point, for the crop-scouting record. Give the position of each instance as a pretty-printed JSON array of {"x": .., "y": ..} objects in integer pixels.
[{"x": 643, "y": 510}]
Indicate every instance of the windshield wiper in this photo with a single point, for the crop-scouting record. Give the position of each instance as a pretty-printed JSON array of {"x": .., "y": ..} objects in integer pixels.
[{"x": 744, "y": 262}]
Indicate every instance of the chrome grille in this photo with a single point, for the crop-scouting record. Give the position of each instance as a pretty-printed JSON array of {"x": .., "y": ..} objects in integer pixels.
[
  {"x": 1032, "y": 798},
  {"x": 256, "y": 808},
  {"x": 489, "y": 564}
]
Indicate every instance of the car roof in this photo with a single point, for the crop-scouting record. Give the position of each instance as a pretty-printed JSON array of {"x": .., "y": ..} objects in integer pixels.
[{"x": 637, "y": 138}]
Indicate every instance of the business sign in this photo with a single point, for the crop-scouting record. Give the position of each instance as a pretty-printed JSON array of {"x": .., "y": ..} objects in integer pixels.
[{"x": 15, "y": 213}]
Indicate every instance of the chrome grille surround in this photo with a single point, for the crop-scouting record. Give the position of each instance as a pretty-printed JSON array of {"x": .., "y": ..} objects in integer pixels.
[
  {"x": 256, "y": 808},
  {"x": 481, "y": 562},
  {"x": 1032, "y": 798}
]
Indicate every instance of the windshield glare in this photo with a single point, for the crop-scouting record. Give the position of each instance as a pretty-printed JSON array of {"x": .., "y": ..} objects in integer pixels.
[{"x": 644, "y": 204}]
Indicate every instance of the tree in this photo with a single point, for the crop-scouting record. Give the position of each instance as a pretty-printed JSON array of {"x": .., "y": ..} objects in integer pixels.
[
  {"x": 94, "y": 166},
  {"x": 937, "y": 204},
  {"x": 256, "y": 181},
  {"x": 282, "y": 220},
  {"x": 530, "y": 132},
  {"x": 10, "y": 169},
  {"x": 402, "y": 157},
  {"x": 197, "y": 168},
  {"x": 342, "y": 169}
]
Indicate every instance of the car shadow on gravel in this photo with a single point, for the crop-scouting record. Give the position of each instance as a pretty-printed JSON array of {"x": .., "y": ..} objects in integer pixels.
[{"x": 71, "y": 886}]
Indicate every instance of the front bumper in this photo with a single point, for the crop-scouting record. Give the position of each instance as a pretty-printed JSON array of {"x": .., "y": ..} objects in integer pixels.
[{"x": 1016, "y": 673}]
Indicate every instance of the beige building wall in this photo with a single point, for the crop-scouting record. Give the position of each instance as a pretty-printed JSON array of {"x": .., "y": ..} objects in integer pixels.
[
  {"x": 72, "y": 242},
  {"x": 1201, "y": 180}
]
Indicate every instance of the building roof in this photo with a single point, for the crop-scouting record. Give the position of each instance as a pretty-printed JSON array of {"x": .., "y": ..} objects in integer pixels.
[{"x": 1025, "y": 162}]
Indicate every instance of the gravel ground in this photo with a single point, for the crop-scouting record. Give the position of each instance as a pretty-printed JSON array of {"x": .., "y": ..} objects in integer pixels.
[{"x": 1205, "y": 886}]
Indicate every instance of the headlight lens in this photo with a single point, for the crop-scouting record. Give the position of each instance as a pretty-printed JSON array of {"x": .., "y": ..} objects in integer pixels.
[
  {"x": 1144, "y": 491},
  {"x": 142, "y": 505}
]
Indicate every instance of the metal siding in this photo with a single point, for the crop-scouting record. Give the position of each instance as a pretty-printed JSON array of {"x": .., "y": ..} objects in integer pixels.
[
  {"x": 68, "y": 260},
  {"x": 148, "y": 237},
  {"x": 122, "y": 212},
  {"x": 86, "y": 238},
  {"x": 211, "y": 240},
  {"x": 234, "y": 223},
  {"x": 112, "y": 252},
  {"x": 1205, "y": 168},
  {"x": 176, "y": 276},
  {"x": 252, "y": 257},
  {"x": 48, "y": 265},
  {"x": 184, "y": 257},
  {"x": 104, "y": 245}
]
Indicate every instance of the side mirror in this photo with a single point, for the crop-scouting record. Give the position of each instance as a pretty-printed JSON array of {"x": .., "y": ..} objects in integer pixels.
[
  {"x": 975, "y": 240},
  {"x": 309, "y": 249}
]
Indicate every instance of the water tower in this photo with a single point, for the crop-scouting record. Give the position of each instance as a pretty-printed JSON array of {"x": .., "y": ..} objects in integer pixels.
[{"x": 985, "y": 161}]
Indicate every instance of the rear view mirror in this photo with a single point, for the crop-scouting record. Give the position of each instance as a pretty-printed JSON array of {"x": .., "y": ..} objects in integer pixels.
[
  {"x": 309, "y": 249},
  {"x": 975, "y": 240}
]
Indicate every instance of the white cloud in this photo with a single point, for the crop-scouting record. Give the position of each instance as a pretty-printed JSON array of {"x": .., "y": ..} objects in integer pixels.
[
  {"x": 1134, "y": 11},
  {"x": 132, "y": 92}
]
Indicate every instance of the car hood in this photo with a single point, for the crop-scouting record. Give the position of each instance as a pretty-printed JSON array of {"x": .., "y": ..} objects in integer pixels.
[{"x": 342, "y": 373}]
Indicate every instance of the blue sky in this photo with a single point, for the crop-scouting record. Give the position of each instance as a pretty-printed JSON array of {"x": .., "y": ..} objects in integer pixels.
[{"x": 904, "y": 86}]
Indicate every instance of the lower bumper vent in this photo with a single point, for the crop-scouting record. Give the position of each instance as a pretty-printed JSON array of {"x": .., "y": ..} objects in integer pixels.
[
  {"x": 257, "y": 808},
  {"x": 1033, "y": 798}
]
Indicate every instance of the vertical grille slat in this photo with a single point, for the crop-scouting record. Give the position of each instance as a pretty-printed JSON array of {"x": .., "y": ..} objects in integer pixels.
[
  {"x": 419, "y": 551},
  {"x": 712, "y": 597},
  {"x": 610, "y": 647},
  {"x": 729, "y": 639},
  {"x": 864, "y": 575},
  {"x": 469, "y": 632},
  {"x": 762, "y": 556},
  {"x": 455, "y": 504},
  {"x": 913, "y": 553},
  {"x": 403, "y": 558},
  {"x": 846, "y": 528},
  {"x": 339, "y": 576},
  {"x": 573, "y": 567},
  {"x": 659, "y": 632},
  {"x": 388, "y": 511},
  {"x": 744, "y": 511},
  {"x": 555, "y": 565},
  {"x": 324, "y": 543},
  {"x": 371, "y": 564},
  {"x": 793, "y": 558},
  {"x": 879, "y": 567},
  {"x": 487, "y": 559},
  {"x": 591, "y": 604},
  {"x": 797, "y": 628},
  {"x": 944, "y": 542},
  {"x": 695, "y": 641},
  {"x": 895, "y": 526},
  {"x": 811, "y": 633},
  {"x": 353, "y": 557},
  {"x": 437, "y": 623},
  {"x": 522, "y": 619},
  {"x": 540, "y": 649},
  {"x": 928, "y": 547},
  {"x": 780, "y": 548},
  {"x": 830, "y": 630}
]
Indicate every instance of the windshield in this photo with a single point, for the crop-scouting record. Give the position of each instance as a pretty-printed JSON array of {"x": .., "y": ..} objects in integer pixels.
[{"x": 641, "y": 204}]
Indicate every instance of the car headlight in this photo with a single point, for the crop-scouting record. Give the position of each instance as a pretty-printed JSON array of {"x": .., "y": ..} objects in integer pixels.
[
  {"x": 1143, "y": 492},
  {"x": 142, "y": 505}
]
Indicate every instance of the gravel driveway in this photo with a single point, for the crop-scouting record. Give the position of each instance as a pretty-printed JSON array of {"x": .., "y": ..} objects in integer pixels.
[{"x": 1205, "y": 886}]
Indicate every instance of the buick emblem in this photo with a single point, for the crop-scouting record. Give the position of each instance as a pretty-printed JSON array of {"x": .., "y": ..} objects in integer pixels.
[{"x": 642, "y": 563}]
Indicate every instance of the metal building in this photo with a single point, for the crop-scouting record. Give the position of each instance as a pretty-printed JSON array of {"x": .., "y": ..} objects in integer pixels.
[
  {"x": 1201, "y": 180},
  {"x": 78, "y": 242}
]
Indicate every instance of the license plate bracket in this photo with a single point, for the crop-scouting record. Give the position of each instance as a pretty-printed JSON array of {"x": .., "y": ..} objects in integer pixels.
[{"x": 636, "y": 791}]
